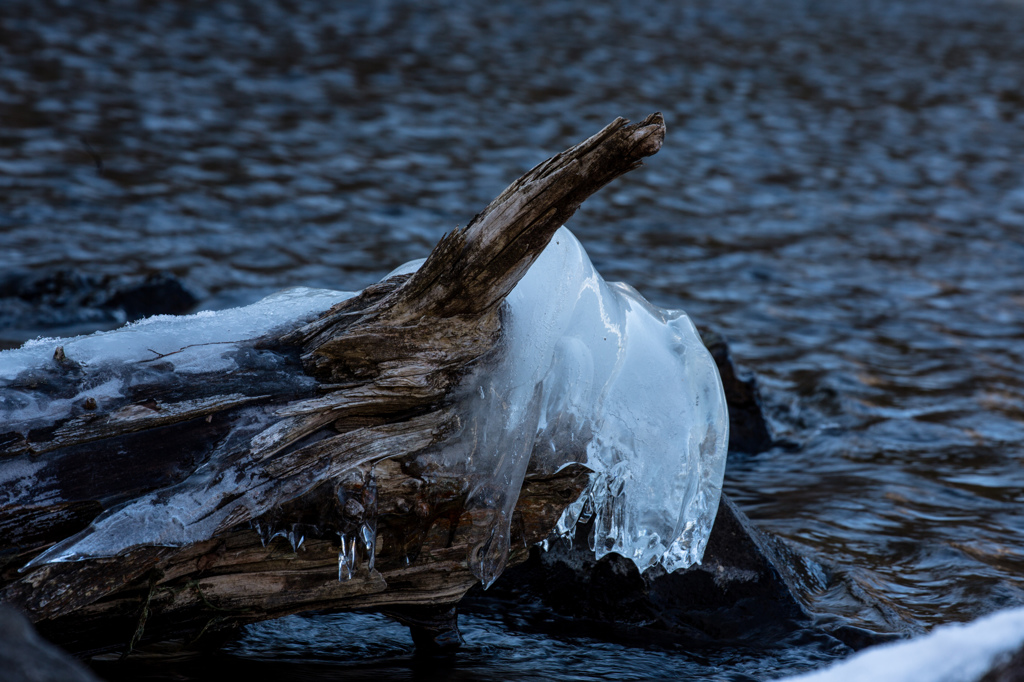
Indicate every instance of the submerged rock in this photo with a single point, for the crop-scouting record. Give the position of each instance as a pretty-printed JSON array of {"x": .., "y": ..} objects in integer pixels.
[
  {"x": 27, "y": 657},
  {"x": 69, "y": 302},
  {"x": 737, "y": 592},
  {"x": 748, "y": 428}
]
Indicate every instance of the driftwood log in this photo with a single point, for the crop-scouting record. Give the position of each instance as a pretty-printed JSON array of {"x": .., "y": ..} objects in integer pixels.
[{"x": 383, "y": 364}]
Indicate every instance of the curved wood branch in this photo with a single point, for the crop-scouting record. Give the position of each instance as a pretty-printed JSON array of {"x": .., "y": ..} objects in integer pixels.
[{"x": 362, "y": 388}]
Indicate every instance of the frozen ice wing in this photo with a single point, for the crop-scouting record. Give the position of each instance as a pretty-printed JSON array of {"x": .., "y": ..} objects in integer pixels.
[
  {"x": 660, "y": 439},
  {"x": 590, "y": 372}
]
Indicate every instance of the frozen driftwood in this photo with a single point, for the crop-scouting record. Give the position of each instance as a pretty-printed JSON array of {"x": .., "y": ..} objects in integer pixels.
[{"x": 313, "y": 435}]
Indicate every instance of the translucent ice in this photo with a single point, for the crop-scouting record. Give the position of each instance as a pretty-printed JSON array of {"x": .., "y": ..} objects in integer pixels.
[{"x": 590, "y": 372}]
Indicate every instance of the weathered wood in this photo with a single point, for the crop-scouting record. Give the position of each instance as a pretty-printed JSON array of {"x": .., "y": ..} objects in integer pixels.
[
  {"x": 234, "y": 579},
  {"x": 363, "y": 388}
]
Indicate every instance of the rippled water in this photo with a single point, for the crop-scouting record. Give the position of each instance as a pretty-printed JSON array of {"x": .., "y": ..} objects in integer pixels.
[
  {"x": 841, "y": 194},
  {"x": 358, "y": 646}
]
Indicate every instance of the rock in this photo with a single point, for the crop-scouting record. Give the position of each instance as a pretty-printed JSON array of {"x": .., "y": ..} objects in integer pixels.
[
  {"x": 1009, "y": 670},
  {"x": 738, "y": 592},
  {"x": 746, "y": 590},
  {"x": 748, "y": 428},
  {"x": 434, "y": 628},
  {"x": 66, "y": 302},
  {"x": 27, "y": 657}
]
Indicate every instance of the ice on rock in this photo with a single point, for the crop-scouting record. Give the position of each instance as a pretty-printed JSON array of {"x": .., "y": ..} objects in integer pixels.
[
  {"x": 585, "y": 371},
  {"x": 590, "y": 372}
]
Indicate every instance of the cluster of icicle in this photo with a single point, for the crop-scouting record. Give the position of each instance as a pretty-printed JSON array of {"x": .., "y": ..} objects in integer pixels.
[
  {"x": 295, "y": 534},
  {"x": 586, "y": 372},
  {"x": 356, "y": 532}
]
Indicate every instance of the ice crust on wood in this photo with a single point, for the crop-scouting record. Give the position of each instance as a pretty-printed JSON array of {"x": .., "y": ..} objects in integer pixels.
[
  {"x": 585, "y": 371},
  {"x": 141, "y": 352},
  {"x": 185, "y": 341}
]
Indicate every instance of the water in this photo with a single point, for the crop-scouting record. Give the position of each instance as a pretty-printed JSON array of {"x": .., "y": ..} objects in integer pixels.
[
  {"x": 358, "y": 646},
  {"x": 841, "y": 193}
]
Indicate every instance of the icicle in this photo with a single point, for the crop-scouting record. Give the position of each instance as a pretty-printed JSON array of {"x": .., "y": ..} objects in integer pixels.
[
  {"x": 344, "y": 565},
  {"x": 295, "y": 539},
  {"x": 346, "y": 557},
  {"x": 588, "y": 510},
  {"x": 368, "y": 530},
  {"x": 267, "y": 533},
  {"x": 567, "y": 521},
  {"x": 369, "y": 543}
]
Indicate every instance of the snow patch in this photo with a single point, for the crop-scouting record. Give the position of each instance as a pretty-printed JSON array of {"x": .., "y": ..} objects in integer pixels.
[
  {"x": 961, "y": 652},
  {"x": 191, "y": 343}
]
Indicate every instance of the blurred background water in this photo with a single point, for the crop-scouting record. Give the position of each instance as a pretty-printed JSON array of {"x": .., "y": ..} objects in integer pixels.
[{"x": 841, "y": 194}]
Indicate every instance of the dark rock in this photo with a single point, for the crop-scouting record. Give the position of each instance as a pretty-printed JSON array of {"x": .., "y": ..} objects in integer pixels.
[
  {"x": 742, "y": 588},
  {"x": 748, "y": 428},
  {"x": 27, "y": 657},
  {"x": 434, "y": 628},
  {"x": 157, "y": 294},
  {"x": 1008, "y": 670},
  {"x": 737, "y": 593},
  {"x": 67, "y": 302},
  {"x": 746, "y": 590}
]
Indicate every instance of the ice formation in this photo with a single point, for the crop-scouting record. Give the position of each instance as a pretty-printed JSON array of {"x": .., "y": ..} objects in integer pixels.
[
  {"x": 586, "y": 371},
  {"x": 590, "y": 372}
]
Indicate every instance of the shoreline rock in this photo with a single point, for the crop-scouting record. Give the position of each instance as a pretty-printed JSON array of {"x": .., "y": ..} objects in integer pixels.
[
  {"x": 748, "y": 429},
  {"x": 27, "y": 657}
]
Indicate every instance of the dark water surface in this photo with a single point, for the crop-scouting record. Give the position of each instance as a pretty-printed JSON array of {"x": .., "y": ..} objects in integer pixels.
[{"x": 841, "y": 194}]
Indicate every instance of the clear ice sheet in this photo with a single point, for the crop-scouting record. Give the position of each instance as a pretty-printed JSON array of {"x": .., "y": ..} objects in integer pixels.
[{"x": 586, "y": 372}]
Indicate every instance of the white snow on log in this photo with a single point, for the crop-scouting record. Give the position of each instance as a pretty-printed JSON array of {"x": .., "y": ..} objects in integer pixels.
[
  {"x": 139, "y": 351},
  {"x": 191, "y": 343},
  {"x": 961, "y": 652}
]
